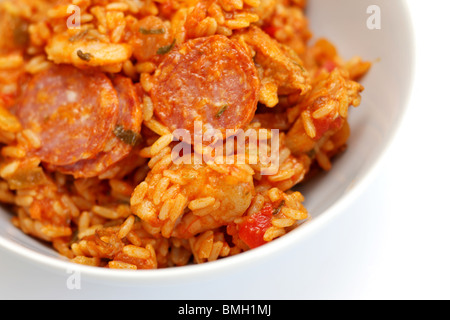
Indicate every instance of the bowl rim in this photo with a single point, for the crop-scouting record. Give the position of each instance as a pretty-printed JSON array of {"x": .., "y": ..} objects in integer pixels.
[{"x": 177, "y": 275}]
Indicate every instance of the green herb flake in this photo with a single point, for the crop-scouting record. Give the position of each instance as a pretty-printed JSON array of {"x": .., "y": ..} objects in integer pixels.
[
  {"x": 311, "y": 154},
  {"x": 128, "y": 136},
  {"x": 299, "y": 65},
  {"x": 151, "y": 31},
  {"x": 278, "y": 209},
  {"x": 221, "y": 111},
  {"x": 166, "y": 49},
  {"x": 74, "y": 238},
  {"x": 21, "y": 36},
  {"x": 84, "y": 56},
  {"x": 78, "y": 36}
]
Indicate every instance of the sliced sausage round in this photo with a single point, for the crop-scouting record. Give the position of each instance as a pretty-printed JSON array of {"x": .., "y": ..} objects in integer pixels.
[
  {"x": 71, "y": 111},
  {"x": 212, "y": 80},
  {"x": 122, "y": 138}
]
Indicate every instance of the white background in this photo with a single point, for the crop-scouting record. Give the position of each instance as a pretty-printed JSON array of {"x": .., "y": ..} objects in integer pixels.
[{"x": 392, "y": 243}]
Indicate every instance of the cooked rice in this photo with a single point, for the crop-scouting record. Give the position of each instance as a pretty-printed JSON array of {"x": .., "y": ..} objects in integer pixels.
[{"x": 147, "y": 211}]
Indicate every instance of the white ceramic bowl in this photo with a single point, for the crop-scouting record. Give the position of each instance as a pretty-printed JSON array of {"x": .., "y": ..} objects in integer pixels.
[{"x": 373, "y": 124}]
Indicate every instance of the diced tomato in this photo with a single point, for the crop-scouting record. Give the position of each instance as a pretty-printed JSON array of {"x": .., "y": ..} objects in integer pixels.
[
  {"x": 6, "y": 100},
  {"x": 329, "y": 65},
  {"x": 271, "y": 30},
  {"x": 166, "y": 8},
  {"x": 252, "y": 231},
  {"x": 325, "y": 124}
]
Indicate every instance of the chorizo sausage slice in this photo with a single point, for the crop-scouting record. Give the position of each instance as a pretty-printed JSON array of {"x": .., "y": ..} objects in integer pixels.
[
  {"x": 212, "y": 80},
  {"x": 71, "y": 111},
  {"x": 121, "y": 138}
]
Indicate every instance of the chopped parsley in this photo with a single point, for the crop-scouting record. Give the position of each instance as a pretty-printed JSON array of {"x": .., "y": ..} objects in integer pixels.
[
  {"x": 84, "y": 56},
  {"x": 74, "y": 237},
  {"x": 128, "y": 136},
  {"x": 20, "y": 32},
  {"x": 221, "y": 111},
  {"x": 278, "y": 209},
  {"x": 78, "y": 36},
  {"x": 151, "y": 31},
  {"x": 299, "y": 65},
  {"x": 166, "y": 49},
  {"x": 311, "y": 153}
]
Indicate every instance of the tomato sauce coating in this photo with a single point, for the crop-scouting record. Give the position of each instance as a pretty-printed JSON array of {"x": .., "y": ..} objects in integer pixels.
[
  {"x": 212, "y": 80},
  {"x": 71, "y": 111},
  {"x": 150, "y": 37}
]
